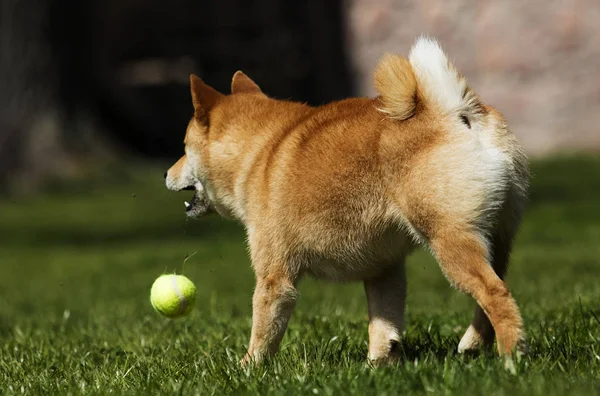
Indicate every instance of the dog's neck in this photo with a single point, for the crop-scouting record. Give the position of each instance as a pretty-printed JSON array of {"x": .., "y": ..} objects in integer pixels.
[{"x": 243, "y": 127}]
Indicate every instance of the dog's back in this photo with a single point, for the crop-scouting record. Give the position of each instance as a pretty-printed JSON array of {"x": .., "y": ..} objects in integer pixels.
[{"x": 359, "y": 179}]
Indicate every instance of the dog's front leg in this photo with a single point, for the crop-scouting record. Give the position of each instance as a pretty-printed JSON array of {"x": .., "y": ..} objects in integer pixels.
[
  {"x": 385, "y": 295},
  {"x": 272, "y": 305}
]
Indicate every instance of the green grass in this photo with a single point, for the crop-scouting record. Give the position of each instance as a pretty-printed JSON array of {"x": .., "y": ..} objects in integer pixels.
[{"x": 77, "y": 265}]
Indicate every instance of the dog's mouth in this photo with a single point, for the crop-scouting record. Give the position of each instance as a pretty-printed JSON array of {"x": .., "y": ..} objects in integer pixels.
[{"x": 199, "y": 205}]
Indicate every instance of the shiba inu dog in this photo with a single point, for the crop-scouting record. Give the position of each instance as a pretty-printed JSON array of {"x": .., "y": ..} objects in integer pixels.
[{"x": 347, "y": 190}]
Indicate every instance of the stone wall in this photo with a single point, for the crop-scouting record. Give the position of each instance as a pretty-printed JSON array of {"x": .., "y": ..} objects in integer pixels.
[{"x": 538, "y": 62}]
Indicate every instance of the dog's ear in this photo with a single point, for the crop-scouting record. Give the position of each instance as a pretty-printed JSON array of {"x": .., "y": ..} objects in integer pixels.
[
  {"x": 203, "y": 96},
  {"x": 243, "y": 83}
]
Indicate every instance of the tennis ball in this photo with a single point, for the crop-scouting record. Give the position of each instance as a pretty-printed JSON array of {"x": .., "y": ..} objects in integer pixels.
[{"x": 173, "y": 295}]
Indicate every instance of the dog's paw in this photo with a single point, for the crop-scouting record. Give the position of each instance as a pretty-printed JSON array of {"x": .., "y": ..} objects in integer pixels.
[
  {"x": 470, "y": 341},
  {"x": 511, "y": 361},
  {"x": 247, "y": 361},
  {"x": 473, "y": 341},
  {"x": 382, "y": 358},
  {"x": 255, "y": 358},
  {"x": 509, "y": 365},
  {"x": 522, "y": 349}
]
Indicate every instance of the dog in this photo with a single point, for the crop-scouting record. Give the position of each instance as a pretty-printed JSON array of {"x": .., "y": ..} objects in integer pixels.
[{"x": 345, "y": 191}]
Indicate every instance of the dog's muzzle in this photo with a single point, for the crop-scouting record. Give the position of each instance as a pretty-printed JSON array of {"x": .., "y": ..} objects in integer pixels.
[{"x": 199, "y": 205}]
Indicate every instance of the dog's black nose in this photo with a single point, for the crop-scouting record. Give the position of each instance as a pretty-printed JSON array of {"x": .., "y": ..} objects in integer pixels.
[{"x": 166, "y": 174}]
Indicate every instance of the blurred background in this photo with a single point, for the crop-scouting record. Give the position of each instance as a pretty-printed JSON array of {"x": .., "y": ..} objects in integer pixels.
[{"x": 83, "y": 83}]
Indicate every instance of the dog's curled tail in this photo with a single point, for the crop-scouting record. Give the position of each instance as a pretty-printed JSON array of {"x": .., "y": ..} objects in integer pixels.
[{"x": 425, "y": 81}]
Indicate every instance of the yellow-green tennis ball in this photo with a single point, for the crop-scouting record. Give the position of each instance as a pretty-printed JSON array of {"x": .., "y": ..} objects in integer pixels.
[{"x": 173, "y": 295}]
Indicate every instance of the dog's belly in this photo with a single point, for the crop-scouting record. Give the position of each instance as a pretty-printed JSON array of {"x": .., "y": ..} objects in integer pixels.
[{"x": 345, "y": 259}]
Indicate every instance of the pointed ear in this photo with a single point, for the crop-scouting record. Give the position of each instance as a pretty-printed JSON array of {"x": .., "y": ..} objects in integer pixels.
[
  {"x": 243, "y": 83},
  {"x": 203, "y": 96}
]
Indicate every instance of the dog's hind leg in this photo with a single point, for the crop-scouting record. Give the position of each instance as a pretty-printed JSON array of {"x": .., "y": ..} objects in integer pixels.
[
  {"x": 462, "y": 254},
  {"x": 480, "y": 333}
]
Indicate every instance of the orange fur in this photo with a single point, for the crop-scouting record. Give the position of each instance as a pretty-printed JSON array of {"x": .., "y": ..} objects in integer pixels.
[
  {"x": 347, "y": 190},
  {"x": 396, "y": 83}
]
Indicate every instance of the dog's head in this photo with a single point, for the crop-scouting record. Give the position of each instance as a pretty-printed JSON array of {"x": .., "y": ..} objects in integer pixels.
[{"x": 191, "y": 171}]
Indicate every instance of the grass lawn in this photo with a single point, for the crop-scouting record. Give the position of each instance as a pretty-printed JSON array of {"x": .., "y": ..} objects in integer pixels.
[{"x": 77, "y": 263}]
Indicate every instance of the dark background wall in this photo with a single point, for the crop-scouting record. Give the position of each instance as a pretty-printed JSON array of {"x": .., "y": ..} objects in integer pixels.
[
  {"x": 131, "y": 59},
  {"x": 77, "y": 75}
]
